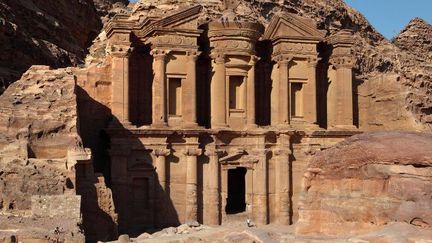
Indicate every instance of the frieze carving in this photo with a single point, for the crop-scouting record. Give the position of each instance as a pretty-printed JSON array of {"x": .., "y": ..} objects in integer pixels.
[
  {"x": 224, "y": 33},
  {"x": 295, "y": 48},
  {"x": 232, "y": 44},
  {"x": 171, "y": 40}
]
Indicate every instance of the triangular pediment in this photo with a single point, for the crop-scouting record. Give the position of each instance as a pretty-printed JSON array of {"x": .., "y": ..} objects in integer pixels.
[
  {"x": 184, "y": 19},
  {"x": 292, "y": 26}
]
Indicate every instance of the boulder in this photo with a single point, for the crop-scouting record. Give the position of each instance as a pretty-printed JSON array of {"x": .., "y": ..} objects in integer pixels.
[{"x": 368, "y": 181}]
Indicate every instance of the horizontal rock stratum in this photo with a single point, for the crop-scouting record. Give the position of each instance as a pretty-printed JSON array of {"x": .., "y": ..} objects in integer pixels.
[{"x": 367, "y": 181}]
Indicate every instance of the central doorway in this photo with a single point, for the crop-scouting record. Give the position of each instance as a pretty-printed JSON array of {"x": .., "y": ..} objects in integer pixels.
[{"x": 236, "y": 201}]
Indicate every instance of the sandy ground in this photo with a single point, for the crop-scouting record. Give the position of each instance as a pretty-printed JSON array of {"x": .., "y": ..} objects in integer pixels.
[{"x": 241, "y": 233}]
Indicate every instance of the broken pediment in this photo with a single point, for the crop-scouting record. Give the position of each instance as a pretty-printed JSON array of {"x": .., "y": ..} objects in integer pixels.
[
  {"x": 292, "y": 26},
  {"x": 185, "y": 20}
]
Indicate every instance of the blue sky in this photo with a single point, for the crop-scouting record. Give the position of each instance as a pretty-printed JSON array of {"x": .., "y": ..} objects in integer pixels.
[{"x": 390, "y": 16}]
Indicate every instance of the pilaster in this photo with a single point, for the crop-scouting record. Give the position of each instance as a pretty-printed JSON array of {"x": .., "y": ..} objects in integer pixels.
[
  {"x": 342, "y": 61},
  {"x": 283, "y": 62},
  {"x": 251, "y": 104},
  {"x": 160, "y": 165},
  {"x": 260, "y": 210},
  {"x": 211, "y": 187},
  {"x": 189, "y": 91},
  {"x": 120, "y": 77},
  {"x": 282, "y": 171},
  {"x": 192, "y": 183},
  {"x": 218, "y": 102},
  {"x": 159, "y": 109},
  {"x": 310, "y": 94}
]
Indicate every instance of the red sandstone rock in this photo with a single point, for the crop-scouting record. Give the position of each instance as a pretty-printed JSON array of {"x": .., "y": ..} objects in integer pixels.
[{"x": 367, "y": 181}]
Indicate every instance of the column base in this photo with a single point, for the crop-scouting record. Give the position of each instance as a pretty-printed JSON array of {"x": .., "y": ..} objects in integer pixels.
[
  {"x": 121, "y": 124},
  {"x": 159, "y": 125},
  {"x": 251, "y": 126},
  {"x": 189, "y": 125},
  {"x": 259, "y": 209},
  {"x": 219, "y": 126},
  {"x": 343, "y": 127},
  {"x": 285, "y": 126}
]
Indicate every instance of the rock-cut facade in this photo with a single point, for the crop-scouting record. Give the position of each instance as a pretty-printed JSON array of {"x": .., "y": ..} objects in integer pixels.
[{"x": 215, "y": 121}]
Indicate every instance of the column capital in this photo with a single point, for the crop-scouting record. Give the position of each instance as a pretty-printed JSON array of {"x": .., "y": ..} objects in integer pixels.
[
  {"x": 258, "y": 152},
  {"x": 219, "y": 58},
  {"x": 253, "y": 60},
  {"x": 342, "y": 61},
  {"x": 213, "y": 152},
  {"x": 121, "y": 51},
  {"x": 282, "y": 152},
  {"x": 312, "y": 61},
  {"x": 159, "y": 53},
  {"x": 161, "y": 152},
  {"x": 283, "y": 59},
  {"x": 192, "y": 55},
  {"x": 192, "y": 151}
]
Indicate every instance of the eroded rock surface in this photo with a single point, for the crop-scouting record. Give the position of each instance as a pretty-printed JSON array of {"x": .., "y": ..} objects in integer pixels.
[
  {"x": 367, "y": 181},
  {"x": 46, "y": 176},
  {"x": 49, "y": 32},
  {"x": 37, "y": 183}
]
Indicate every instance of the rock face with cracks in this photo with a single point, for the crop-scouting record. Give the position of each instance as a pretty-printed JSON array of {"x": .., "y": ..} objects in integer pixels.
[
  {"x": 49, "y": 32},
  {"x": 368, "y": 181},
  {"x": 46, "y": 176}
]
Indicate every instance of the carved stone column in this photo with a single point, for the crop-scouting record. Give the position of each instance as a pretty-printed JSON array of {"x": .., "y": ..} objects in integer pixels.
[
  {"x": 211, "y": 188},
  {"x": 284, "y": 91},
  {"x": 192, "y": 183},
  {"x": 218, "y": 102},
  {"x": 343, "y": 91},
  {"x": 260, "y": 194},
  {"x": 120, "y": 77},
  {"x": 282, "y": 180},
  {"x": 343, "y": 61},
  {"x": 250, "y": 112},
  {"x": 160, "y": 165},
  {"x": 189, "y": 92},
  {"x": 310, "y": 93},
  {"x": 159, "y": 108}
]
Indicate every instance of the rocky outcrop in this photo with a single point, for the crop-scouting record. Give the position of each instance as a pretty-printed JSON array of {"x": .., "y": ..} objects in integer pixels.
[
  {"x": 50, "y": 32},
  {"x": 368, "y": 181},
  {"x": 416, "y": 39},
  {"x": 40, "y": 110},
  {"x": 37, "y": 181},
  {"x": 46, "y": 176}
]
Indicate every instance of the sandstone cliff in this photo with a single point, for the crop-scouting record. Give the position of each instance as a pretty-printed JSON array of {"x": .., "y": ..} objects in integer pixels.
[
  {"x": 43, "y": 165},
  {"x": 38, "y": 127},
  {"x": 368, "y": 181},
  {"x": 49, "y": 32}
]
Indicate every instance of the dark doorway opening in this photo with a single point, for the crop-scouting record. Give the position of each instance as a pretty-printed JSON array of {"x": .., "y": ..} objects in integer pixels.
[{"x": 236, "y": 201}]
